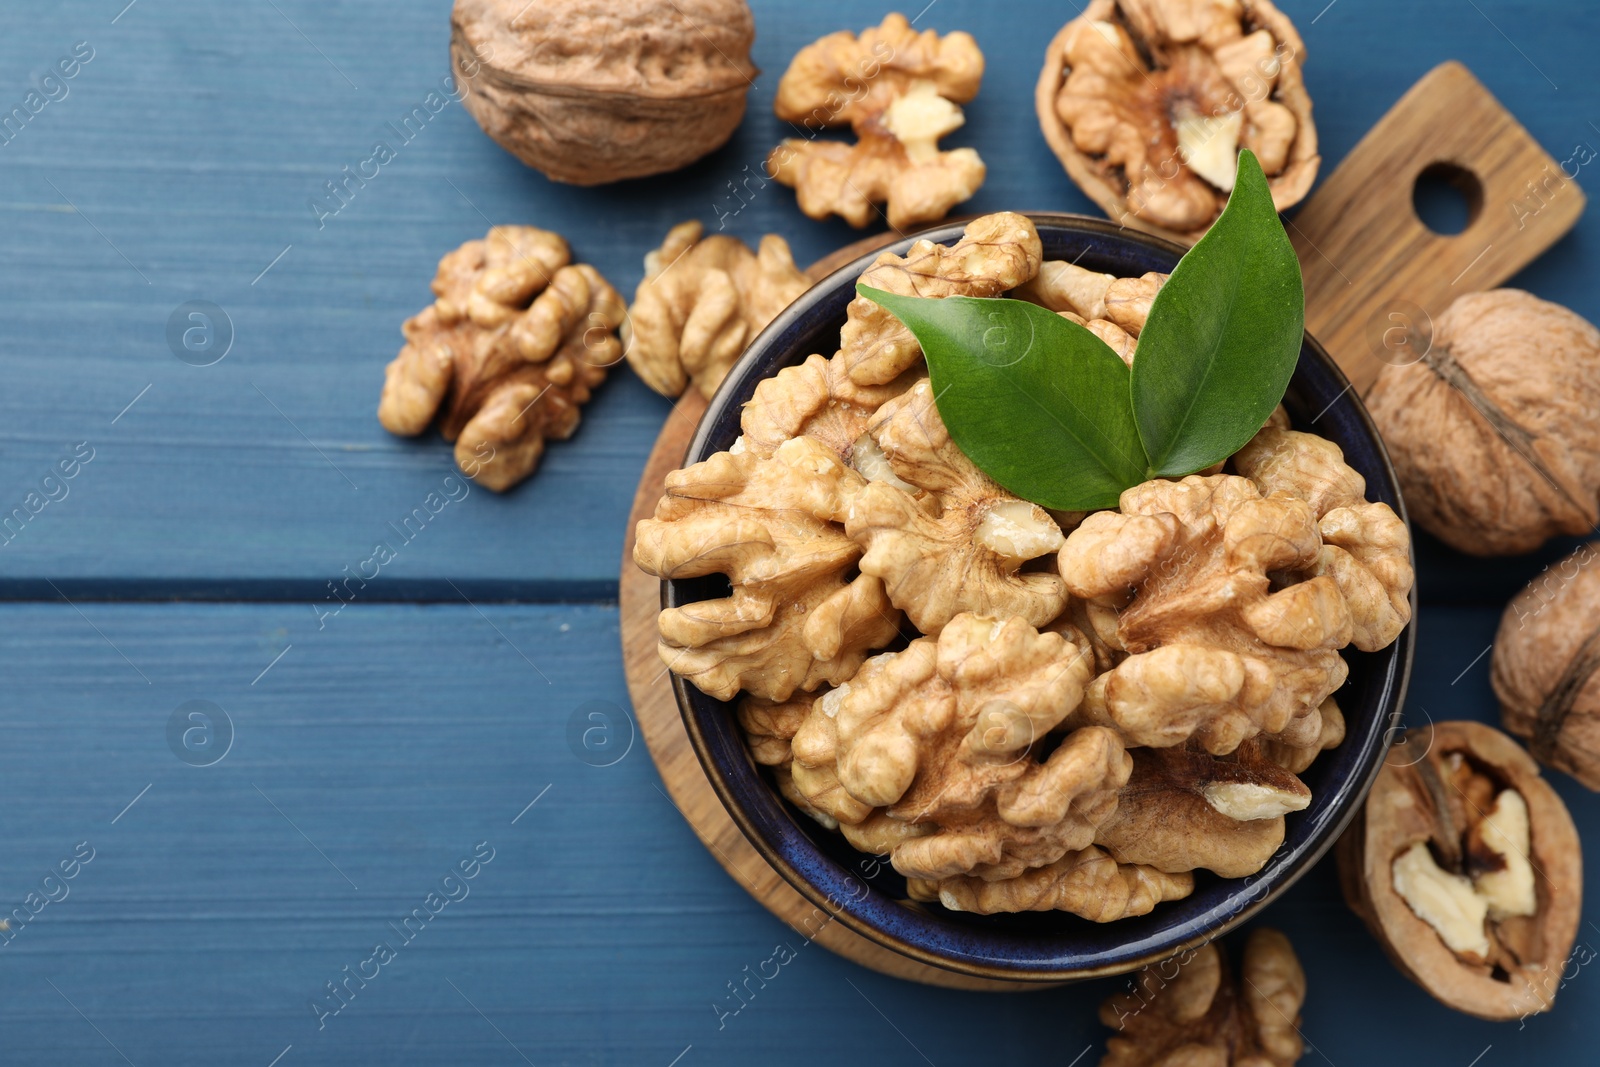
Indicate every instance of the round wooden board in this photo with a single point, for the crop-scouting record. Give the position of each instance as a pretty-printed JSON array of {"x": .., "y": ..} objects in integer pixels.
[{"x": 659, "y": 721}]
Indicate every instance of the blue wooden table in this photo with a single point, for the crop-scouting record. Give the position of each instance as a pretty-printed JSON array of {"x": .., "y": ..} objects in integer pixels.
[{"x": 410, "y": 754}]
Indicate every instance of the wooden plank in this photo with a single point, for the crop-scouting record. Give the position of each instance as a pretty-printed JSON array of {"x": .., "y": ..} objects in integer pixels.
[
  {"x": 601, "y": 932},
  {"x": 192, "y": 143},
  {"x": 1376, "y": 276}
]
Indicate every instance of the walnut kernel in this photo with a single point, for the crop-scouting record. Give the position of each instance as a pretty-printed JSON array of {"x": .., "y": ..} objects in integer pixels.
[
  {"x": 1191, "y": 1011},
  {"x": 794, "y": 618},
  {"x": 701, "y": 301},
  {"x": 507, "y": 354},
  {"x": 942, "y": 739},
  {"x": 898, "y": 90},
  {"x": 946, "y": 539}
]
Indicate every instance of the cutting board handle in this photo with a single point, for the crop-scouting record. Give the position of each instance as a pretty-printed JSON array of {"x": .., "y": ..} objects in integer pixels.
[{"x": 1376, "y": 276}]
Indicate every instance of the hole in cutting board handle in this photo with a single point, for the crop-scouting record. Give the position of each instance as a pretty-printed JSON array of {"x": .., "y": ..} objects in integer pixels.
[{"x": 1447, "y": 197}]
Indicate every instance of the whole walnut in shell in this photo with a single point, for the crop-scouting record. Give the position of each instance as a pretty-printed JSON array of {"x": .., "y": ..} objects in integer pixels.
[
  {"x": 589, "y": 91},
  {"x": 1147, "y": 103},
  {"x": 1546, "y": 659},
  {"x": 1495, "y": 431},
  {"x": 1466, "y": 866},
  {"x": 507, "y": 354}
]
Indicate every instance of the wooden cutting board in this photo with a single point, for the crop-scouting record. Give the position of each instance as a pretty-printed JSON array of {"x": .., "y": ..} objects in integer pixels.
[{"x": 1375, "y": 279}]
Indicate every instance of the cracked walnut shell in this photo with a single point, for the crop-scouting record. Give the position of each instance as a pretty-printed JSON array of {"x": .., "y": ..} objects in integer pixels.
[
  {"x": 701, "y": 301},
  {"x": 1546, "y": 657},
  {"x": 591, "y": 92},
  {"x": 1147, "y": 104},
  {"x": 1494, "y": 432},
  {"x": 1191, "y": 1011},
  {"x": 1466, "y": 867},
  {"x": 899, "y": 92},
  {"x": 795, "y": 616},
  {"x": 507, "y": 353}
]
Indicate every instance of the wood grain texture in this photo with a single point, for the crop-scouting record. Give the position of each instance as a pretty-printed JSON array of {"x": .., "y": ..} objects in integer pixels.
[
  {"x": 1376, "y": 276},
  {"x": 395, "y": 735},
  {"x": 194, "y": 140},
  {"x": 602, "y": 933}
]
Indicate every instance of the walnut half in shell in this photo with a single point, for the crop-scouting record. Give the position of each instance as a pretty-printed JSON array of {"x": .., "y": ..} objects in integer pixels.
[
  {"x": 1466, "y": 866},
  {"x": 1147, "y": 104}
]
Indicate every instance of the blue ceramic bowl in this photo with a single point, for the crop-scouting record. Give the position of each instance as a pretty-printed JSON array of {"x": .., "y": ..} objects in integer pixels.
[{"x": 865, "y": 893}]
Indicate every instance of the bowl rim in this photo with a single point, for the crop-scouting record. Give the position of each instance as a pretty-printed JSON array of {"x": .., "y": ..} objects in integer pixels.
[{"x": 1392, "y": 692}]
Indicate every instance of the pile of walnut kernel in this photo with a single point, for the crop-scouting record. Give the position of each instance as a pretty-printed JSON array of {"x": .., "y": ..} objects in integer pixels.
[{"x": 1025, "y": 710}]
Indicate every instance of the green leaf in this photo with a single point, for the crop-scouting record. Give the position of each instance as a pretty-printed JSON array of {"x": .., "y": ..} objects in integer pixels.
[
  {"x": 1046, "y": 409},
  {"x": 1039, "y": 403},
  {"x": 1223, "y": 336}
]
